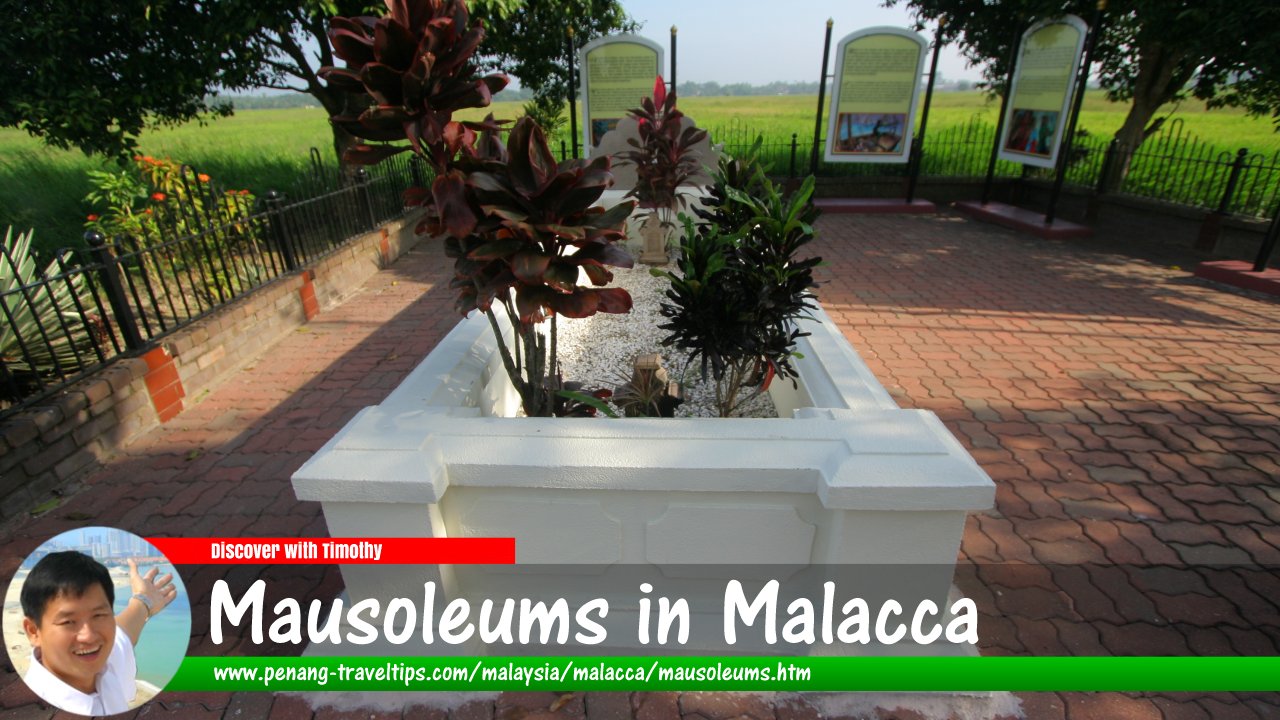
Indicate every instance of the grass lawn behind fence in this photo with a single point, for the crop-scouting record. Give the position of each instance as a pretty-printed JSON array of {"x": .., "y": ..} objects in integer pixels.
[{"x": 43, "y": 188}]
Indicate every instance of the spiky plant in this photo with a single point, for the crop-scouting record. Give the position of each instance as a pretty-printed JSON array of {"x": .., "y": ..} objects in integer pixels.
[{"x": 42, "y": 326}]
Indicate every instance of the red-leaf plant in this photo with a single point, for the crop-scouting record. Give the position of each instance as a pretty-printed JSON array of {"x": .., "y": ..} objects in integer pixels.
[
  {"x": 518, "y": 227},
  {"x": 663, "y": 155},
  {"x": 536, "y": 234}
]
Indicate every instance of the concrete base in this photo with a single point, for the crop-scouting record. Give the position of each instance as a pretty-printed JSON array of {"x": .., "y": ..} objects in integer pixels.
[
  {"x": 874, "y": 206},
  {"x": 841, "y": 477},
  {"x": 1025, "y": 220},
  {"x": 1241, "y": 274}
]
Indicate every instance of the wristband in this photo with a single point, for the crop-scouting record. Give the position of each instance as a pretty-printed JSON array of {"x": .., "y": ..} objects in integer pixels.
[{"x": 146, "y": 602}]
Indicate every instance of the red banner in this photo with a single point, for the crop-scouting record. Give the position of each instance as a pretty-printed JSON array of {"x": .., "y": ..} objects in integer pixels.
[{"x": 337, "y": 551}]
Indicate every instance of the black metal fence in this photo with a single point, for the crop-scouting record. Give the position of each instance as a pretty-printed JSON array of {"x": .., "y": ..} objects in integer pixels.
[
  {"x": 88, "y": 307},
  {"x": 1172, "y": 165}
]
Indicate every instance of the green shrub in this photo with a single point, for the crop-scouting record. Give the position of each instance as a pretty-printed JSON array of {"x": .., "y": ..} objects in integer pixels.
[{"x": 741, "y": 286}]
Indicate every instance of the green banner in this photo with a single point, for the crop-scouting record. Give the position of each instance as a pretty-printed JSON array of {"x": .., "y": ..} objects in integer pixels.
[{"x": 789, "y": 674}]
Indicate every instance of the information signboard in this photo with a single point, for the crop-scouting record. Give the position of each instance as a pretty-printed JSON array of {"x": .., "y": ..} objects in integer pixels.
[
  {"x": 873, "y": 101},
  {"x": 1040, "y": 97},
  {"x": 617, "y": 72}
]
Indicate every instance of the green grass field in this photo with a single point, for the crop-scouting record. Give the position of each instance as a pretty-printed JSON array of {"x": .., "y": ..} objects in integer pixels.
[{"x": 43, "y": 188}]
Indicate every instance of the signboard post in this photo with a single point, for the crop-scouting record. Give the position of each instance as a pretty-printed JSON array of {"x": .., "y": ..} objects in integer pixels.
[
  {"x": 1041, "y": 93},
  {"x": 617, "y": 72},
  {"x": 873, "y": 102},
  {"x": 917, "y": 148}
]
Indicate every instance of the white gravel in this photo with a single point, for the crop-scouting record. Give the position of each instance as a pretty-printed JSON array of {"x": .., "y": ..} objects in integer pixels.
[{"x": 600, "y": 351}]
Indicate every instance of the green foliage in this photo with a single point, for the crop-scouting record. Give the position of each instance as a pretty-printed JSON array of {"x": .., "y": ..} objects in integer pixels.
[
  {"x": 548, "y": 112},
  {"x": 95, "y": 80},
  {"x": 741, "y": 286},
  {"x": 532, "y": 43},
  {"x": 159, "y": 199},
  {"x": 42, "y": 328},
  {"x": 184, "y": 219}
]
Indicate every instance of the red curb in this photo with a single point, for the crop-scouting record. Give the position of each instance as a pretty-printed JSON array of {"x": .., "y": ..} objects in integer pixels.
[
  {"x": 1241, "y": 275},
  {"x": 1025, "y": 220}
]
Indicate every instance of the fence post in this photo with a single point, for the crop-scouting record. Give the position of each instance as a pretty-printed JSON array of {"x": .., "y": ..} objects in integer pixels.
[
  {"x": 366, "y": 200},
  {"x": 794, "y": 146},
  {"x": 1100, "y": 187},
  {"x": 1211, "y": 226},
  {"x": 415, "y": 170},
  {"x": 279, "y": 233},
  {"x": 1232, "y": 180},
  {"x": 109, "y": 273}
]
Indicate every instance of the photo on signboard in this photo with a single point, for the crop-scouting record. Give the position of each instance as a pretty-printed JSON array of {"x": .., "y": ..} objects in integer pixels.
[
  {"x": 96, "y": 621},
  {"x": 870, "y": 132},
  {"x": 1032, "y": 132},
  {"x": 600, "y": 126}
]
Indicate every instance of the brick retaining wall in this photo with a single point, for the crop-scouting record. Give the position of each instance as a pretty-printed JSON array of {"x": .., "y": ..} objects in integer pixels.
[{"x": 44, "y": 448}]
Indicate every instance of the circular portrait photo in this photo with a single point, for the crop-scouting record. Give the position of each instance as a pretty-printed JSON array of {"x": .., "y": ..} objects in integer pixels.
[{"x": 96, "y": 621}]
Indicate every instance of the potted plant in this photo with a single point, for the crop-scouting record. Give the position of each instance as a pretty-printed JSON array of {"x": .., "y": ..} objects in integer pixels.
[
  {"x": 664, "y": 161},
  {"x": 519, "y": 225}
]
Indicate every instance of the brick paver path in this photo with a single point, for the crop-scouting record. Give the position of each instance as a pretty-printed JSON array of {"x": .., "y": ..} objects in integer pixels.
[{"x": 1127, "y": 413}]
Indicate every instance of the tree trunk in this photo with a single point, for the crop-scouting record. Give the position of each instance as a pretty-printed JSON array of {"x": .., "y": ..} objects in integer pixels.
[
  {"x": 1159, "y": 79},
  {"x": 338, "y": 103}
]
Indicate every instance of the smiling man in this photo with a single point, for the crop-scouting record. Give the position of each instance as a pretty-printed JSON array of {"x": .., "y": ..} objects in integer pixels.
[{"x": 82, "y": 655}]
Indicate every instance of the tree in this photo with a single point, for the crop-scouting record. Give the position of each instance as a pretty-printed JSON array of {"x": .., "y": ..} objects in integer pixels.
[
  {"x": 532, "y": 42},
  {"x": 95, "y": 80},
  {"x": 1151, "y": 52}
]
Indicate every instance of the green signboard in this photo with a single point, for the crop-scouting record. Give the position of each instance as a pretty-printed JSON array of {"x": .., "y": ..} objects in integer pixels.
[
  {"x": 1043, "y": 84},
  {"x": 617, "y": 72},
  {"x": 873, "y": 103}
]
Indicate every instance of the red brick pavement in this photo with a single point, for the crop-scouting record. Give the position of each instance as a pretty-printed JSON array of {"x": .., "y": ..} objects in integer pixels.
[{"x": 1127, "y": 412}]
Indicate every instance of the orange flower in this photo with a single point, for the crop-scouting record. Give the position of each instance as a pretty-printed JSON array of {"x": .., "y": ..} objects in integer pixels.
[
  {"x": 137, "y": 158},
  {"x": 243, "y": 192},
  {"x": 203, "y": 178},
  {"x": 93, "y": 218},
  {"x": 158, "y": 196},
  {"x": 147, "y": 211}
]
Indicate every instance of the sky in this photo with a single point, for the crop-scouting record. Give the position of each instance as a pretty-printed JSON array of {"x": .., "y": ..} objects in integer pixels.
[{"x": 758, "y": 42}]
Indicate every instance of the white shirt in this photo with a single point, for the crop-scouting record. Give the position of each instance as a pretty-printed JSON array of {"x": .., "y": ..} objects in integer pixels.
[{"x": 117, "y": 683}]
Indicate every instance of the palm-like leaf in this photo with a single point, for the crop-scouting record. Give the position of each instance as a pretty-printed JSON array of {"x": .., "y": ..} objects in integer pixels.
[{"x": 47, "y": 329}]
